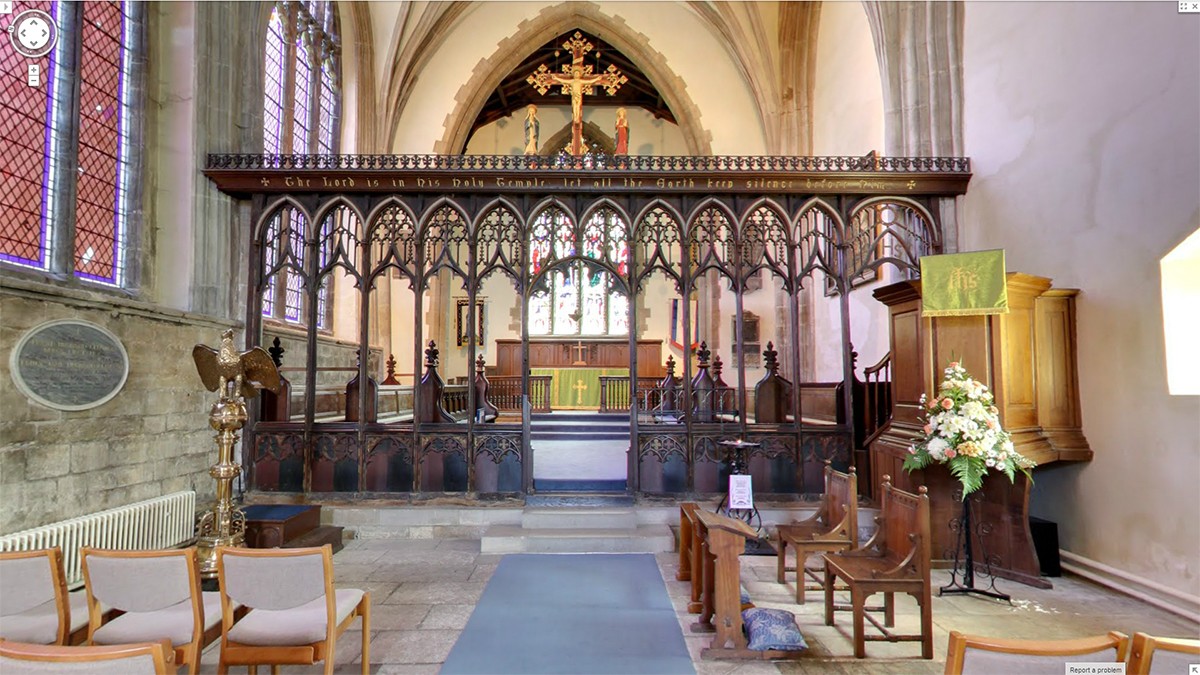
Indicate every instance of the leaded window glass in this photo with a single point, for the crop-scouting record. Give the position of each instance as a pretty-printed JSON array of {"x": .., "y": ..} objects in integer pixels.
[
  {"x": 301, "y": 115},
  {"x": 67, "y": 177},
  {"x": 574, "y": 294}
]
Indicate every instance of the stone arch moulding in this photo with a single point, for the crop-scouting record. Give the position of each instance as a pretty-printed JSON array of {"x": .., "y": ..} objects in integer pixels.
[{"x": 534, "y": 33}]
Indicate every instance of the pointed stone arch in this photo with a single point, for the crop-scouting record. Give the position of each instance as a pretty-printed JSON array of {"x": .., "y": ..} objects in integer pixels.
[{"x": 547, "y": 25}]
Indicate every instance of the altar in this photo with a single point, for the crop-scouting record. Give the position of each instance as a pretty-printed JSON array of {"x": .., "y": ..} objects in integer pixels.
[{"x": 577, "y": 388}]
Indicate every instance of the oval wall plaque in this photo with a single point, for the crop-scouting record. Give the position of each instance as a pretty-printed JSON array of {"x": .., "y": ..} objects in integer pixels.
[{"x": 69, "y": 364}]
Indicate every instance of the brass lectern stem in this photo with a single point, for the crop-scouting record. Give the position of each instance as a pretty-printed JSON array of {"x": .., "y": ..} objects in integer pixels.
[{"x": 224, "y": 524}]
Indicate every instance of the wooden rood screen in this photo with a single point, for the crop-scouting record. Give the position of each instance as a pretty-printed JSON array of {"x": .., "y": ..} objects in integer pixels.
[{"x": 716, "y": 227}]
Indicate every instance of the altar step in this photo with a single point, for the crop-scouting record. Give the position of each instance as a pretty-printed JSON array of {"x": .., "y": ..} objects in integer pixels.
[
  {"x": 579, "y": 426},
  {"x": 588, "y": 529}
]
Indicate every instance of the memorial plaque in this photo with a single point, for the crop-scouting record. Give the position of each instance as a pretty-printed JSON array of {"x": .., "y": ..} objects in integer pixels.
[{"x": 69, "y": 365}]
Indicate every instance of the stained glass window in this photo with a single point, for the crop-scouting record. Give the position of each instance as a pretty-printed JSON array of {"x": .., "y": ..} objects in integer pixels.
[
  {"x": 576, "y": 296},
  {"x": 66, "y": 179},
  {"x": 301, "y": 115}
]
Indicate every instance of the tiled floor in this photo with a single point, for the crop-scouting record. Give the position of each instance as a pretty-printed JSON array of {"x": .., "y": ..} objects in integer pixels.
[{"x": 423, "y": 592}]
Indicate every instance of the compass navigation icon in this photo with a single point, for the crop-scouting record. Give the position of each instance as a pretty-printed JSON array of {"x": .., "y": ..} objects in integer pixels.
[{"x": 33, "y": 33}]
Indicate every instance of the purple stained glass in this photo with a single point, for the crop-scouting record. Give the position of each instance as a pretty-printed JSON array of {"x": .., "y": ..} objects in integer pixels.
[
  {"x": 275, "y": 74},
  {"x": 303, "y": 92},
  {"x": 102, "y": 153}
]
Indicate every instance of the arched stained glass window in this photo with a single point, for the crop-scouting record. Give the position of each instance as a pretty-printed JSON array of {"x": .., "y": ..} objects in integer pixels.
[
  {"x": 576, "y": 296},
  {"x": 67, "y": 179},
  {"x": 301, "y": 115}
]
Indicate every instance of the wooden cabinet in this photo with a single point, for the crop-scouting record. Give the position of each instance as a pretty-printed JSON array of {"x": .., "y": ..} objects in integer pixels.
[{"x": 1027, "y": 358}]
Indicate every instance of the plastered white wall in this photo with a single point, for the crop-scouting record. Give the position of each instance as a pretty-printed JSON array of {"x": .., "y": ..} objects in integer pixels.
[
  {"x": 1081, "y": 123},
  {"x": 690, "y": 49},
  {"x": 847, "y": 120}
]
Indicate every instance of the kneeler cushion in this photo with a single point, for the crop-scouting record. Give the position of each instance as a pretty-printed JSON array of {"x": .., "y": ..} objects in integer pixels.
[{"x": 772, "y": 629}]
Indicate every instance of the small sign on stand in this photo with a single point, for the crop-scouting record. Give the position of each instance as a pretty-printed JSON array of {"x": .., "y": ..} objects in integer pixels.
[{"x": 741, "y": 494}]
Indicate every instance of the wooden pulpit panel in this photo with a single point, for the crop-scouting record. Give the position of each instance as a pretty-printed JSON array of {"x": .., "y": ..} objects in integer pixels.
[{"x": 1027, "y": 358}]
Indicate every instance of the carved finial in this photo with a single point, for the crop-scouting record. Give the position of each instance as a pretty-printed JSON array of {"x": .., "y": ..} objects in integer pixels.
[
  {"x": 358, "y": 357},
  {"x": 771, "y": 357},
  {"x": 717, "y": 367},
  {"x": 853, "y": 357},
  {"x": 670, "y": 366},
  {"x": 431, "y": 355},
  {"x": 702, "y": 355},
  {"x": 276, "y": 352},
  {"x": 391, "y": 371},
  {"x": 479, "y": 364}
]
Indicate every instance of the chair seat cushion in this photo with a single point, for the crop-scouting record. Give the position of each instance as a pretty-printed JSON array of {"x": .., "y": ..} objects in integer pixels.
[
  {"x": 36, "y": 625},
  {"x": 769, "y": 628},
  {"x": 173, "y": 623},
  {"x": 300, "y": 625}
]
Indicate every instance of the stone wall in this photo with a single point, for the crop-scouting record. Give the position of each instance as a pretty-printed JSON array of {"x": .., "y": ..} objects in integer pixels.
[{"x": 151, "y": 439}]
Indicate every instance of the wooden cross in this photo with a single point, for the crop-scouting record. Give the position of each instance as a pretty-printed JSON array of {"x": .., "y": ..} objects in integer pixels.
[
  {"x": 578, "y": 349},
  {"x": 577, "y": 79},
  {"x": 579, "y": 388}
]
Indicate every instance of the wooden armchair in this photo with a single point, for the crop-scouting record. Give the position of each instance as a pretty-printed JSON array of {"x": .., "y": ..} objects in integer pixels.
[
  {"x": 159, "y": 595},
  {"x": 834, "y": 527},
  {"x": 128, "y": 659},
  {"x": 33, "y": 598},
  {"x": 1151, "y": 654},
  {"x": 984, "y": 655},
  {"x": 895, "y": 560},
  {"x": 295, "y": 614}
]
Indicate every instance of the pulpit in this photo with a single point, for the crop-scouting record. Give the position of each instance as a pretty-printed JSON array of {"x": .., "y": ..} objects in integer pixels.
[{"x": 1027, "y": 358}]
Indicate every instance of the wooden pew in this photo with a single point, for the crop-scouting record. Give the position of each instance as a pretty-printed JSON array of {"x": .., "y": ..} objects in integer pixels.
[
  {"x": 834, "y": 527},
  {"x": 896, "y": 559},
  {"x": 725, "y": 540}
]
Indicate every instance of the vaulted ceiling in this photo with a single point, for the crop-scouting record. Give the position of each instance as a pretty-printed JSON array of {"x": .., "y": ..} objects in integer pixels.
[{"x": 514, "y": 93}]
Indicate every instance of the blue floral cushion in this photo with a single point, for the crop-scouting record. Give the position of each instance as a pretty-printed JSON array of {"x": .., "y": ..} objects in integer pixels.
[{"x": 772, "y": 629}]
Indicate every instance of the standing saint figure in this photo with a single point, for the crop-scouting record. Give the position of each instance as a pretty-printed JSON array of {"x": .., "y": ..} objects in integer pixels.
[
  {"x": 532, "y": 127},
  {"x": 622, "y": 133}
]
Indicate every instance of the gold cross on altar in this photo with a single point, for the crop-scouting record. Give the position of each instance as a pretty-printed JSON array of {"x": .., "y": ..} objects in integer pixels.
[
  {"x": 578, "y": 349},
  {"x": 579, "y": 388},
  {"x": 577, "y": 79}
]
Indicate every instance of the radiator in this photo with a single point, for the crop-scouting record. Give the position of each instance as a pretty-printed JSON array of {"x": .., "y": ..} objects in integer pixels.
[{"x": 159, "y": 523}]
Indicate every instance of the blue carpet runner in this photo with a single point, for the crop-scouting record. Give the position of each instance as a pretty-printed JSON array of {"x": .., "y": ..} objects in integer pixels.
[{"x": 587, "y": 613}]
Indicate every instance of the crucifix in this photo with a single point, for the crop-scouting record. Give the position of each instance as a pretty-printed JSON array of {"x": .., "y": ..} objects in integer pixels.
[
  {"x": 579, "y": 388},
  {"x": 577, "y": 79},
  {"x": 578, "y": 349}
]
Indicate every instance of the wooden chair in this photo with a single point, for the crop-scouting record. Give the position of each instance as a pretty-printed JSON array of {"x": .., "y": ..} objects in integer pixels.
[
  {"x": 158, "y": 593},
  {"x": 128, "y": 659},
  {"x": 895, "y": 560},
  {"x": 1150, "y": 654},
  {"x": 295, "y": 614},
  {"x": 34, "y": 604},
  {"x": 834, "y": 527},
  {"x": 978, "y": 654}
]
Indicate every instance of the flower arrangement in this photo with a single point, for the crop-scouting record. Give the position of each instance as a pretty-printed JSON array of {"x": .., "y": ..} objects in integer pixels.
[{"x": 962, "y": 431}]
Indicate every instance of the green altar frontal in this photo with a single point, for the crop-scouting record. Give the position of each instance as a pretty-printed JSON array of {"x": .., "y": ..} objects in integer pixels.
[{"x": 577, "y": 388}]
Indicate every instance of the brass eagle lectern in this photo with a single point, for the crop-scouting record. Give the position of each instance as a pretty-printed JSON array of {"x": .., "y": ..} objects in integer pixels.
[{"x": 236, "y": 376}]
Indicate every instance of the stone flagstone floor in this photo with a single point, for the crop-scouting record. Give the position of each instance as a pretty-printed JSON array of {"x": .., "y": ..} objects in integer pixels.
[{"x": 423, "y": 592}]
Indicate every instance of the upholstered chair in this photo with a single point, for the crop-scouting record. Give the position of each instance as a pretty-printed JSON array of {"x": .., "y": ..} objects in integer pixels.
[
  {"x": 144, "y": 658},
  {"x": 159, "y": 595},
  {"x": 295, "y": 615},
  {"x": 34, "y": 604}
]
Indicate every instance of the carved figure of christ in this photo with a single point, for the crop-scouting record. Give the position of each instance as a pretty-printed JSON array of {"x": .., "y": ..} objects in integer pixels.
[{"x": 577, "y": 80}]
